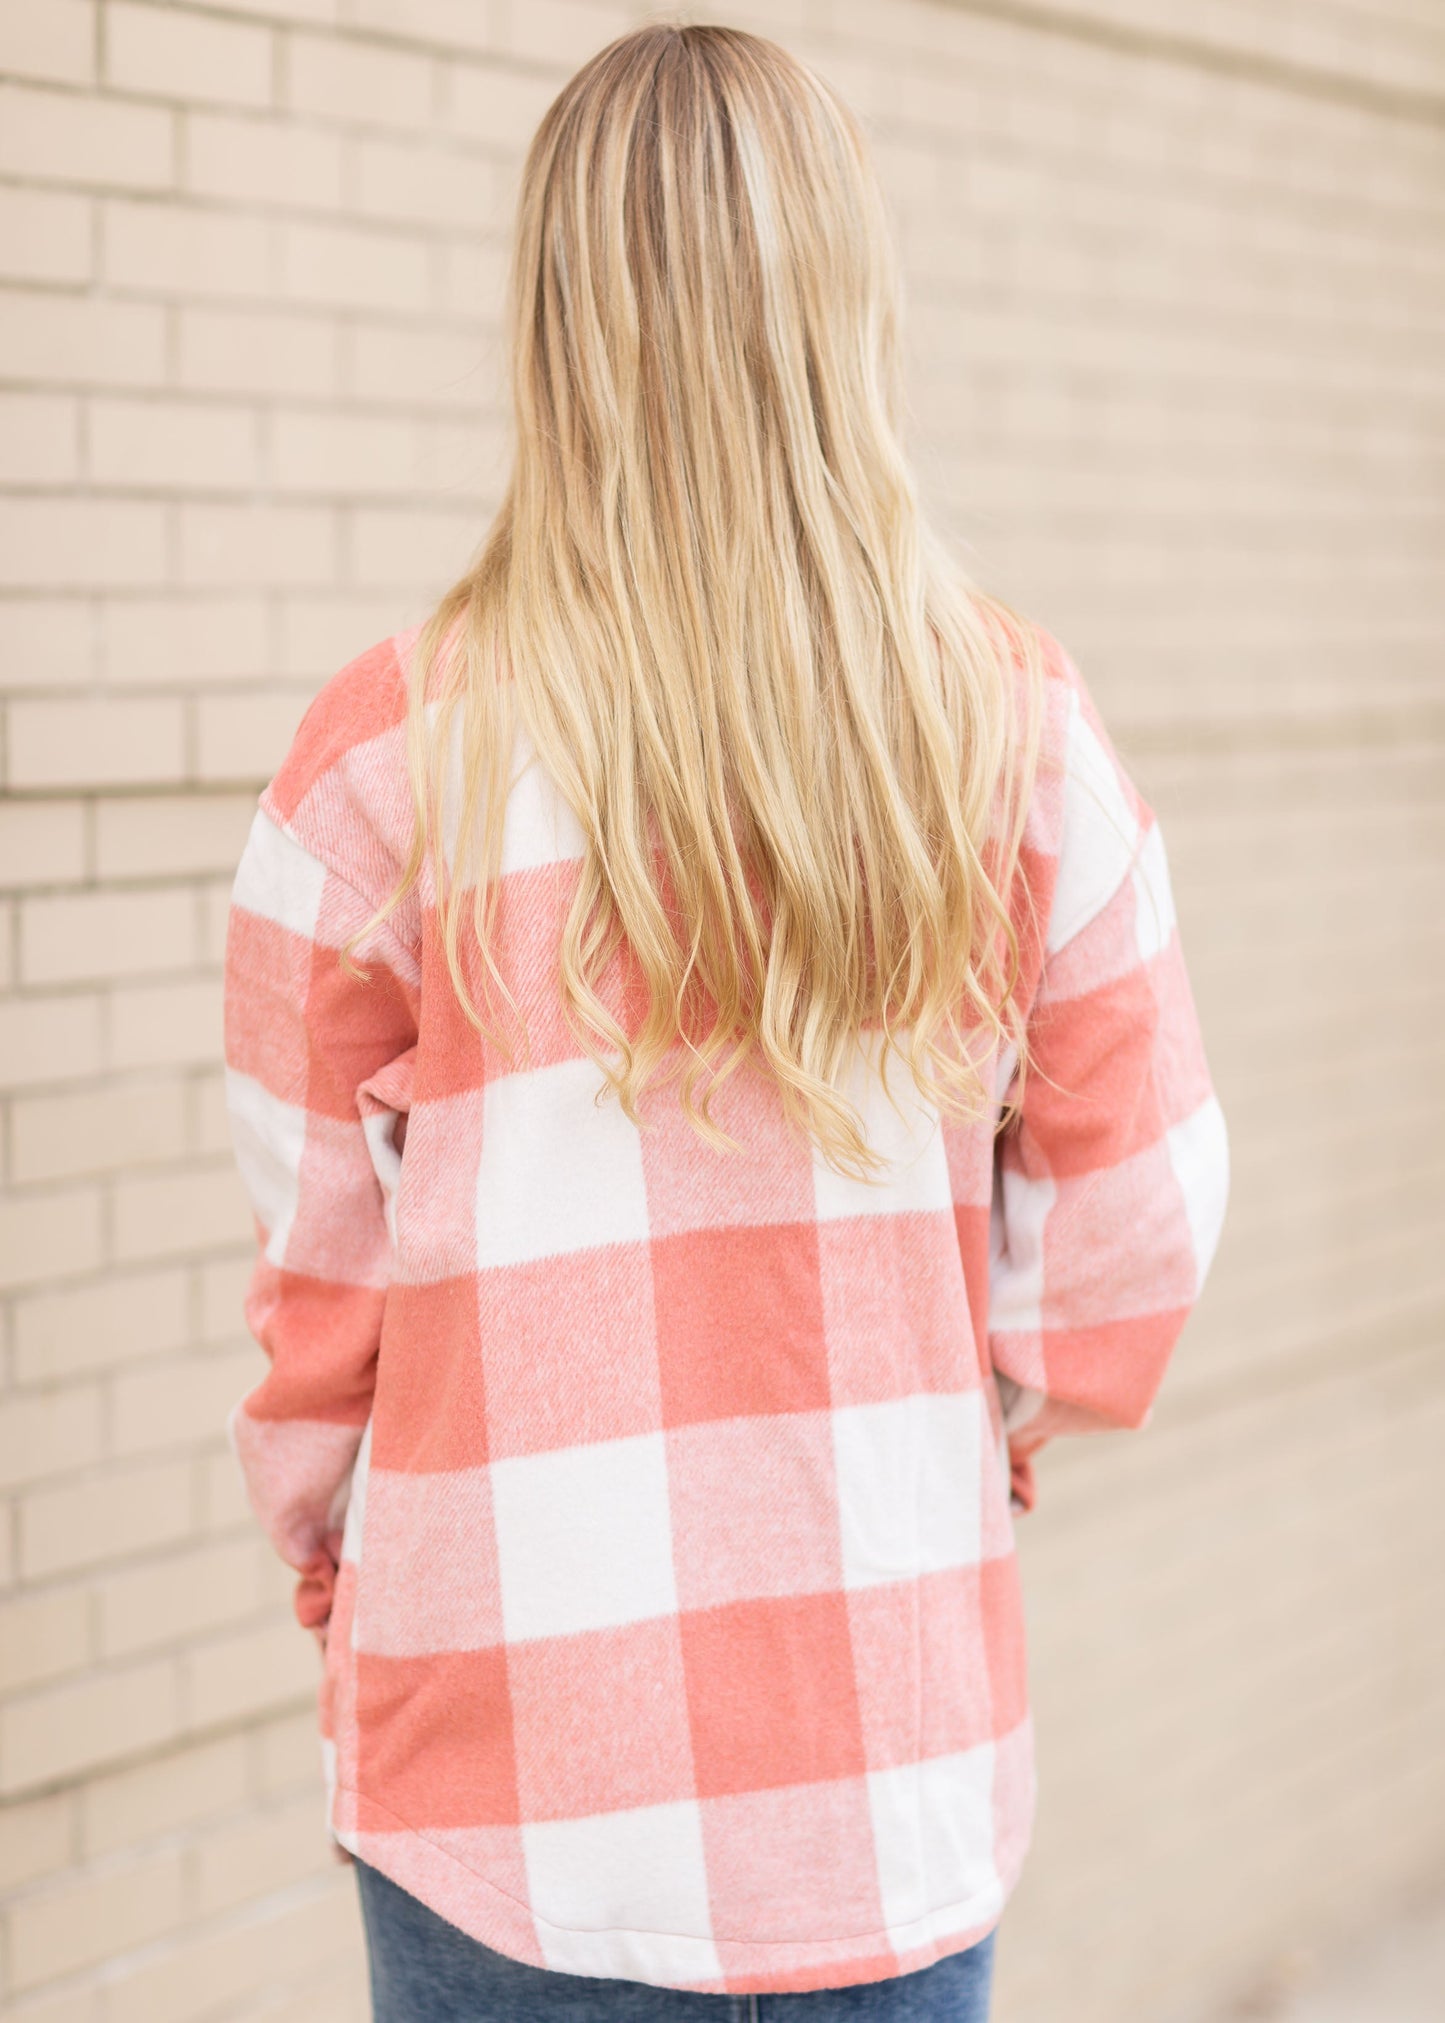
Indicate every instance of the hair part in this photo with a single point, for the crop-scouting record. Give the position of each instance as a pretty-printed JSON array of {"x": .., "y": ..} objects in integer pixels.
[{"x": 798, "y": 743}]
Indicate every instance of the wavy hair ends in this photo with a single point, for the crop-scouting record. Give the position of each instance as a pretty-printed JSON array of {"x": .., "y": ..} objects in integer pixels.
[{"x": 798, "y": 742}]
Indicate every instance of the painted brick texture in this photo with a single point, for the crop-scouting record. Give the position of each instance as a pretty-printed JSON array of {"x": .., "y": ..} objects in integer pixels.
[{"x": 1176, "y": 289}]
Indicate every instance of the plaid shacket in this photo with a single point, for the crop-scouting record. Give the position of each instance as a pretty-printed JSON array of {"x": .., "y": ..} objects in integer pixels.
[{"x": 654, "y": 1505}]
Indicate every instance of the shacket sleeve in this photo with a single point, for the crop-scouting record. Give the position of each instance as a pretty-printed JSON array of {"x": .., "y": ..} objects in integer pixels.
[
  {"x": 1110, "y": 1183},
  {"x": 303, "y": 1037}
]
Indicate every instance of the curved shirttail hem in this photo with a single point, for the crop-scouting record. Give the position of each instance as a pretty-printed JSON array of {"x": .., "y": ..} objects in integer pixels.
[{"x": 801, "y": 1980}]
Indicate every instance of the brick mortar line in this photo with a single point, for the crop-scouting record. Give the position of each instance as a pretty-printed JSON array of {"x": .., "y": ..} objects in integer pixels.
[
  {"x": 1280, "y": 73},
  {"x": 120, "y": 1859},
  {"x": 99, "y": 289},
  {"x": 311, "y": 1980},
  {"x": 267, "y": 209},
  {"x": 904, "y": 129},
  {"x": 377, "y": 38},
  {"x": 185, "y": 1738},
  {"x": 1327, "y": 731},
  {"x": 455, "y": 141},
  {"x": 1193, "y": 52},
  {"x": 252, "y": 496},
  {"x": 176, "y": 787},
  {"x": 251, "y": 1912},
  {"x": 211, "y": 1447},
  {"x": 96, "y": 1277}
]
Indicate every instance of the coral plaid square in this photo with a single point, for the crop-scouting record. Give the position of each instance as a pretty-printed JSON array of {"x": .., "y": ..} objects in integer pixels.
[
  {"x": 270, "y": 1051},
  {"x": 379, "y": 1023},
  {"x": 772, "y": 1693},
  {"x": 431, "y": 1549},
  {"x": 754, "y": 1508},
  {"x": 771, "y": 1856},
  {"x": 335, "y": 1167},
  {"x": 601, "y": 1720},
  {"x": 432, "y": 1415},
  {"x": 1142, "y": 1194},
  {"x": 943, "y": 1700},
  {"x": 896, "y": 1308},
  {"x": 435, "y": 1208},
  {"x": 314, "y": 1325},
  {"x": 435, "y": 1736},
  {"x": 569, "y": 1346},
  {"x": 692, "y": 1186},
  {"x": 431, "y": 1399},
  {"x": 450, "y": 1053},
  {"x": 739, "y": 1322},
  {"x": 1005, "y": 1644},
  {"x": 531, "y": 914}
]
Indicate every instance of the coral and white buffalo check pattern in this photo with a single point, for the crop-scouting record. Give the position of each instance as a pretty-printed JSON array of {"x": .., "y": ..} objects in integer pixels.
[{"x": 654, "y": 1505}]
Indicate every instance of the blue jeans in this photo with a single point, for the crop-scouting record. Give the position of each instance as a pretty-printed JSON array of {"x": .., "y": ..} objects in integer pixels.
[{"x": 424, "y": 1970}]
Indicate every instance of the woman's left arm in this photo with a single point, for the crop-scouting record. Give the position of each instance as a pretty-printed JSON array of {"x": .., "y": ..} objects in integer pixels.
[
  {"x": 1112, "y": 1180},
  {"x": 302, "y": 1034}
]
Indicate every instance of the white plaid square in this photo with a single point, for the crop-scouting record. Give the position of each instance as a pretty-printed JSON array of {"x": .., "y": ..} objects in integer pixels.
[
  {"x": 933, "y": 1831},
  {"x": 1154, "y": 916},
  {"x": 1016, "y": 1260},
  {"x": 1100, "y": 837},
  {"x": 908, "y": 1485},
  {"x": 623, "y": 1892},
  {"x": 1199, "y": 1155},
  {"x": 901, "y": 1127},
  {"x": 278, "y": 880},
  {"x": 538, "y": 827},
  {"x": 268, "y": 1138},
  {"x": 559, "y": 1171},
  {"x": 583, "y": 1537}
]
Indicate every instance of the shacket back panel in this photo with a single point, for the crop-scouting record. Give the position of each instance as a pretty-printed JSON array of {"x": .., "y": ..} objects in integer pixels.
[{"x": 677, "y": 1633}]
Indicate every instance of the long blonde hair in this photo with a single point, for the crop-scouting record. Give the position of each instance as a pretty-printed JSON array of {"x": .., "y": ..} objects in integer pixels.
[{"x": 787, "y": 725}]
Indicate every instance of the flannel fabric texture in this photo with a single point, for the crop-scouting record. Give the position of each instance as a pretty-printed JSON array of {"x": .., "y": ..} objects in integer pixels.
[{"x": 653, "y": 1506}]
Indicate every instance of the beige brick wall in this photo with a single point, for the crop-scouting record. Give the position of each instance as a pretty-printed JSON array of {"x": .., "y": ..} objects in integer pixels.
[{"x": 1177, "y": 285}]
